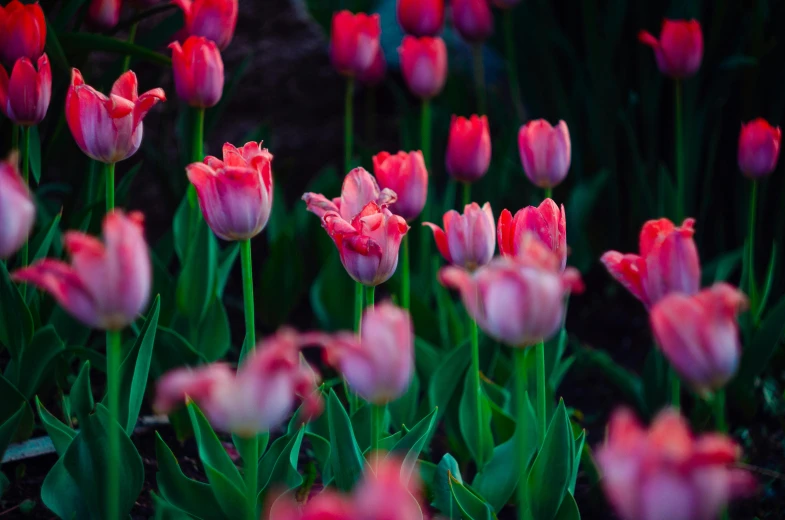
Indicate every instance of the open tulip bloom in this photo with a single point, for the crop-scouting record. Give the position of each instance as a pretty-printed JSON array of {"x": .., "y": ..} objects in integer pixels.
[
  {"x": 548, "y": 223},
  {"x": 17, "y": 209}
]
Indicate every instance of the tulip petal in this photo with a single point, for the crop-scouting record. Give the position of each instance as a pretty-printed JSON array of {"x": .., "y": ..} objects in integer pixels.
[
  {"x": 441, "y": 240},
  {"x": 320, "y": 205},
  {"x": 627, "y": 270}
]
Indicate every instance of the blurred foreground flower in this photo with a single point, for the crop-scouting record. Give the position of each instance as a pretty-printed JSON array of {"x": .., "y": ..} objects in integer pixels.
[
  {"x": 420, "y": 17},
  {"x": 472, "y": 19},
  {"x": 104, "y": 14},
  {"x": 679, "y": 50},
  {"x": 406, "y": 175},
  {"x": 22, "y": 32},
  {"x": 665, "y": 472},
  {"x": 423, "y": 65},
  {"x": 468, "y": 148},
  {"x": 198, "y": 71},
  {"x": 354, "y": 42},
  {"x": 547, "y": 222},
  {"x": 24, "y": 97},
  {"x": 759, "y": 148},
  {"x": 107, "y": 285},
  {"x": 467, "y": 240},
  {"x": 668, "y": 262},
  {"x": 17, "y": 209},
  {"x": 213, "y": 19},
  {"x": 546, "y": 152},
  {"x": 699, "y": 334}
]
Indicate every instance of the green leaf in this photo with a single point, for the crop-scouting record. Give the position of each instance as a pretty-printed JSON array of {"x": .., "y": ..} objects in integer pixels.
[
  {"x": 765, "y": 341},
  {"x": 82, "y": 402},
  {"x": 321, "y": 449},
  {"x": 413, "y": 442},
  {"x": 16, "y": 323},
  {"x": 172, "y": 350},
  {"x": 46, "y": 243},
  {"x": 60, "y": 433},
  {"x": 284, "y": 471},
  {"x": 36, "y": 360},
  {"x": 54, "y": 50},
  {"x": 166, "y": 511},
  {"x": 347, "y": 459},
  {"x": 9, "y": 427},
  {"x": 35, "y": 154},
  {"x": 476, "y": 430},
  {"x": 197, "y": 281},
  {"x": 10, "y": 402},
  {"x": 767, "y": 284},
  {"x": 472, "y": 506},
  {"x": 328, "y": 295},
  {"x": 551, "y": 472},
  {"x": 226, "y": 259},
  {"x": 579, "y": 443},
  {"x": 441, "y": 486},
  {"x": 82, "y": 41},
  {"x": 124, "y": 187},
  {"x": 447, "y": 377},
  {"x": 283, "y": 274},
  {"x": 181, "y": 227},
  {"x": 214, "y": 338},
  {"x": 61, "y": 494},
  {"x": 404, "y": 409},
  {"x": 568, "y": 509}
]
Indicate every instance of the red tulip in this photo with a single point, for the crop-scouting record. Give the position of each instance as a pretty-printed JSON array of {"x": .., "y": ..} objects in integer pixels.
[
  {"x": 24, "y": 97},
  {"x": 236, "y": 194},
  {"x": 258, "y": 397},
  {"x": 374, "y": 75},
  {"x": 107, "y": 284},
  {"x": 472, "y": 19},
  {"x": 104, "y": 14},
  {"x": 759, "y": 148},
  {"x": 22, "y": 32},
  {"x": 699, "y": 334},
  {"x": 198, "y": 71},
  {"x": 406, "y": 175},
  {"x": 519, "y": 302},
  {"x": 666, "y": 472},
  {"x": 424, "y": 65},
  {"x": 421, "y": 17},
  {"x": 17, "y": 209},
  {"x": 668, "y": 262},
  {"x": 108, "y": 129},
  {"x": 545, "y": 152},
  {"x": 468, "y": 148},
  {"x": 213, "y": 19},
  {"x": 547, "y": 222},
  {"x": 679, "y": 50},
  {"x": 467, "y": 240},
  {"x": 354, "y": 42},
  {"x": 359, "y": 188}
]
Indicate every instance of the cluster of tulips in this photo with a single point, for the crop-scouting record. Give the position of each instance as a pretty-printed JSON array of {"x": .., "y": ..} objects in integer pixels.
[{"x": 517, "y": 298}]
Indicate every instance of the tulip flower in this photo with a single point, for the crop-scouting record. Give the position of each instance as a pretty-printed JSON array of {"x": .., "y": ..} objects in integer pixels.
[
  {"x": 421, "y": 17},
  {"x": 472, "y": 19},
  {"x": 359, "y": 188},
  {"x": 424, "y": 65},
  {"x": 107, "y": 284},
  {"x": 666, "y": 472},
  {"x": 24, "y": 97},
  {"x": 520, "y": 301},
  {"x": 354, "y": 42},
  {"x": 17, "y": 209},
  {"x": 374, "y": 74},
  {"x": 22, "y": 32},
  {"x": 198, "y": 71},
  {"x": 379, "y": 364},
  {"x": 258, "y": 397},
  {"x": 699, "y": 334},
  {"x": 213, "y": 19},
  {"x": 236, "y": 194},
  {"x": 104, "y": 14},
  {"x": 679, "y": 50},
  {"x": 668, "y": 262},
  {"x": 468, "y": 148},
  {"x": 467, "y": 240},
  {"x": 547, "y": 222},
  {"x": 545, "y": 152},
  {"x": 108, "y": 129},
  {"x": 759, "y": 148},
  {"x": 406, "y": 175}
]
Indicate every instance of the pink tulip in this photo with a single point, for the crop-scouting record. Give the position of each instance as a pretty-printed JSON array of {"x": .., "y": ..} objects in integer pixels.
[
  {"x": 668, "y": 262},
  {"x": 374, "y": 74},
  {"x": 666, "y": 472},
  {"x": 213, "y": 19},
  {"x": 104, "y": 14},
  {"x": 420, "y": 17},
  {"x": 699, "y": 334},
  {"x": 679, "y": 50},
  {"x": 759, "y": 148},
  {"x": 468, "y": 148},
  {"x": 17, "y": 209},
  {"x": 517, "y": 301},
  {"x": 236, "y": 194},
  {"x": 327, "y": 505},
  {"x": 108, "y": 129},
  {"x": 406, "y": 175},
  {"x": 472, "y": 19},
  {"x": 468, "y": 240},
  {"x": 22, "y": 32},
  {"x": 359, "y": 188},
  {"x": 547, "y": 222},
  {"x": 424, "y": 65},
  {"x": 198, "y": 71},
  {"x": 545, "y": 152},
  {"x": 354, "y": 42},
  {"x": 107, "y": 284},
  {"x": 258, "y": 397},
  {"x": 24, "y": 97}
]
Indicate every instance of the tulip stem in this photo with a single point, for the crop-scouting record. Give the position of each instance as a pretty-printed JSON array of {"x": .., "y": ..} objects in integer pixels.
[
  {"x": 512, "y": 68},
  {"x": 679, "y": 154},
  {"x": 251, "y": 462},
  {"x": 675, "y": 389},
  {"x": 406, "y": 289},
  {"x": 467, "y": 194},
  {"x": 377, "y": 425},
  {"x": 113, "y": 347},
  {"x": 26, "y": 176},
  {"x": 521, "y": 418},
  {"x": 476, "y": 388},
  {"x": 131, "y": 38},
  {"x": 197, "y": 155},
  {"x": 348, "y": 123},
  {"x": 425, "y": 132},
  {"x": 248, "y": 302},
  {"x": 370, "y": 293},
  {"x": 752, "y": 287},
  {"x": 109, "y": 169},
  {"x": 479, "y": 77},
  {"x": 359, "y": 290},
  {"x": 541, "y": 391},
  {"x": 719, "y": 411},
  {"x": 548, "y": 192}
]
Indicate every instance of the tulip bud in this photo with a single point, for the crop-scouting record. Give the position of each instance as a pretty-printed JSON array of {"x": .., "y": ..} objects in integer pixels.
[
  {"x": 236, "y": 194},
  {"x": 354, "y": 42},
  {"x": 108, "y": 129},
  {"x": 17, "y": 209},
  {"x": 22, "y": 32},
  {"x": 759, "y": 148},
  {"x": 699, "y": 334},
  {"x": 468, "y": 240},
  {"x": 405, "y": 174},
  {"x": 198, "y": 71},
  {"x": 666, "y": 472},
  {"x": 547, "y": 222},
  {"x": 668, "y": 262},
  {"x": 24, "y": 97},
  {"x": 104, "y": 14},
  {"x": 424, "y": 65},
  {"x": 545, "y": 152},
  {"x": 212, "y": 19},
  {"x": 107, "y": 284},
  {"x": 468, "y": 148},
  {"x": 679, "y": 50},
  {"x": 375, "y": 74},
  {"x": 421, "y": 17},
  {"x": 472, "y": 19}
]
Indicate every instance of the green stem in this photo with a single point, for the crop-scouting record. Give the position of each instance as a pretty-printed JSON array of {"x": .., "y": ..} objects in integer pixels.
[
  {"x": 131, "y": 38},
  {"x": 479, "y": 77},
  {"x": 197, "y": 155},
  {"x": 541, "y": 393},
  {"x": 26, "y": 176},
  {"x": 675, "y": 389},
  {"x": 348, "y": 123},
  {"x": 109, "y": 169},
  {"x": 248, "y": 302},
  {"x": 467, "y": 193},
  {"x": 425, "y": 146},
  {"x": 425, "y": 132},
  {"x": 377, "y": 425},
  {"x": 370, "y": 293},
  {"x": 358, "y": 306},
  {"x": 752, "y": 287},
  {"x": 406, "y": 289},
  {"x": 680, "y": 188},
  {"x": 476, "y": 389},
  {"x": 548, "y": 192},
  {"x": 113, "y": 341},
  {"x": 521, "y": 417},
  {"x": 719, "y": 411},
  {"x": 512, "y": 68},
  {"x": 251, "y": 477}
]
